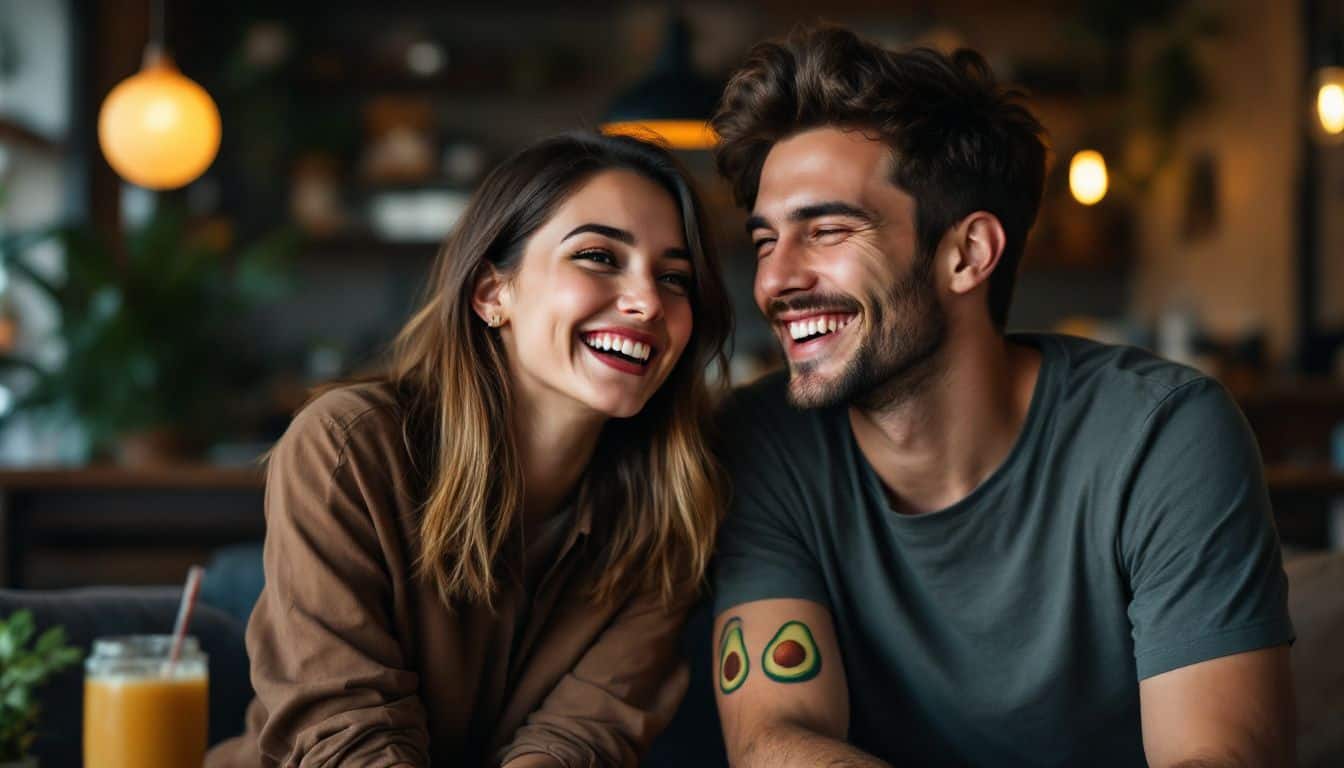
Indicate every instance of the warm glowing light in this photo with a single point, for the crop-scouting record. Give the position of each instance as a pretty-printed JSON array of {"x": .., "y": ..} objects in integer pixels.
[
  {"x": 1087, "y": 177},
  {"x": 157, "y": 128},
  {"x": 677, "y": 134},
  {"x": 1327, "y": 113},
  {"x": 1330, "y": 108}
]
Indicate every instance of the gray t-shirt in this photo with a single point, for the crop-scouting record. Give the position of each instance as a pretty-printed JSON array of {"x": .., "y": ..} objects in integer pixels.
[{"x": 1127, "y": 533}]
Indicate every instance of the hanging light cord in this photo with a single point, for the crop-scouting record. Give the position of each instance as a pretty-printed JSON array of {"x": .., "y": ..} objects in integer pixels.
[{"x": 156, "y": 21}]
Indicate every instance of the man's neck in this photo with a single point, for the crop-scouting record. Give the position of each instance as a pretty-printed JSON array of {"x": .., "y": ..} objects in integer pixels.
[{"x": 936, "y": 445}]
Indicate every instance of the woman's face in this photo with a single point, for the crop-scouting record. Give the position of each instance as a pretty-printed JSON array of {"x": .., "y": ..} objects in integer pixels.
[{"x": 598, "y": 311}]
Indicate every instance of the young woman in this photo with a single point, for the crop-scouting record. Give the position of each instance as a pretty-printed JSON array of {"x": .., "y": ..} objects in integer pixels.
[{"x": 485, "y": 557}]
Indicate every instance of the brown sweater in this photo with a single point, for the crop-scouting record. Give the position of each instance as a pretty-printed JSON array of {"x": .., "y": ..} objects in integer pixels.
[{"x": 355, "y": 661}]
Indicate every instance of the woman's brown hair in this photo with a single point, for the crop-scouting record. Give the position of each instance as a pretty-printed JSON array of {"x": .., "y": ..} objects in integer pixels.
[{"x": 657, "y": 501}]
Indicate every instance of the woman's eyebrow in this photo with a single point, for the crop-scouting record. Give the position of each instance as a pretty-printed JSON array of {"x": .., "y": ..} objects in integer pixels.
[{"x": 615, "y": 233}]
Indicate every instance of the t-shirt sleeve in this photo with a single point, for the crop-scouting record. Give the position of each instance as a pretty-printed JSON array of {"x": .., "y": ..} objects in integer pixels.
[
  {"x": 763, "y": 552},
  {"x": 1198, "y": 540}
]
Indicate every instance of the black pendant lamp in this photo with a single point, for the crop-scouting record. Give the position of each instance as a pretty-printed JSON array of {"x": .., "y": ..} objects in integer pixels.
[{"x": 673, "y": 102}]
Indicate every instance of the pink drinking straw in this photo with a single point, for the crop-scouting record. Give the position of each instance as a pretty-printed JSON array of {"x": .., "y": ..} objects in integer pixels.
[{"x": 189, "y": 592}]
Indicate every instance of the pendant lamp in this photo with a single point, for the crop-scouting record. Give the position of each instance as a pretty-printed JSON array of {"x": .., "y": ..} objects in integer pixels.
[
  {"x": 157, "y": 128},
  {"x": 1327, "y": 83},
  {"x": 673, "y": 102},
  {"x": 1088, "y": 179},
  {"x": 1329, "y": 104}
]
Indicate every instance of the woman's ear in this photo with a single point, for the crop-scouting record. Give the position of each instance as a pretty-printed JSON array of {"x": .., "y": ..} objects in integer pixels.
[
  {"x": 489, "y": 296},
  {"x": 980, "y": 244}
]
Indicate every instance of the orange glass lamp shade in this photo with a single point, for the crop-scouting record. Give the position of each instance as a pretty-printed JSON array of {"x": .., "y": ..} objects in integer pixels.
[
  {"x": 157, "y": 128},
  {"x": 677, "y": 134}
]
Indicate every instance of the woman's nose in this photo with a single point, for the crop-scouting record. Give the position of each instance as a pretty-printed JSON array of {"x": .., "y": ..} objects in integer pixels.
[{"x": 639, "y": 297}]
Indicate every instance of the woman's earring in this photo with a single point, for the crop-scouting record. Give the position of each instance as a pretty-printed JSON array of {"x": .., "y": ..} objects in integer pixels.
[{"x": 493, "y": 321}]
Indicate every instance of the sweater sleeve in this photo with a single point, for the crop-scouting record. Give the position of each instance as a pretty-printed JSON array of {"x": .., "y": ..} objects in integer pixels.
[
  {"x": 330, "y": 674},
  {"x": 621, "y": 694}
]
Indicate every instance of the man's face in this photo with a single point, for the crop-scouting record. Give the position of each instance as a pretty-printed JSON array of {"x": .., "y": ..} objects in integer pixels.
[{"x": 839, "y": 274}]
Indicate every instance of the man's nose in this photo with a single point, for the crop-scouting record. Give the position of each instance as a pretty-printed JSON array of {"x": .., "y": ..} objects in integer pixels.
[{"x": 784, "y": 271}]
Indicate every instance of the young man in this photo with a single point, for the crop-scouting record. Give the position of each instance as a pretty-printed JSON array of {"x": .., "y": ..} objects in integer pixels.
[{"x": 948, "y": 545}]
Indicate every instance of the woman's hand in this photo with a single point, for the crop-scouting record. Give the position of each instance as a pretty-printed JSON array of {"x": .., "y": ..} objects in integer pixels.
[{"x": 534, "y": 760}]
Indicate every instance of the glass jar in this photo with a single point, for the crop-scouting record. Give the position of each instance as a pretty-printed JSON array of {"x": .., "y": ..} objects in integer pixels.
[{"x": 142, "y": 710}]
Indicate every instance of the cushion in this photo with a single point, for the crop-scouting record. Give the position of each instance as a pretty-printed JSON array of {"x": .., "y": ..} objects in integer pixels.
[
  {"x": 1316, "y": 603},
  {"x": 104, "y": 611}
]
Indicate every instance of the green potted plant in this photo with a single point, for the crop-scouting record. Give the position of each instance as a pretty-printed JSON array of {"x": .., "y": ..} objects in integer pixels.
[
  {"x": 146, "y": 331},
  {"x": 22, "y": 670}
]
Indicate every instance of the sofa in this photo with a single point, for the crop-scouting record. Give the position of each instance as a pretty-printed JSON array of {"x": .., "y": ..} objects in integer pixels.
[
  {"x": 230, "y": 588},
  {"x": 1316, "y": 603}
]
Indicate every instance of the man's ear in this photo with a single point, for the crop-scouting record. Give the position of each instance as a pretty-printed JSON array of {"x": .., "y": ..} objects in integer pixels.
[
  {"x": 980, "y": 240},
  {"x": 489, "y": 296}
]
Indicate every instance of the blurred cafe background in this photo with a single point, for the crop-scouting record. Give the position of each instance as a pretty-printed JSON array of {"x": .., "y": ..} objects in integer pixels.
[{"x": 160, "y": 323}]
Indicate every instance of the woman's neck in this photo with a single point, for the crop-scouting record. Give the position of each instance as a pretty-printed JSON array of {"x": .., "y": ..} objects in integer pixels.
[{"x": 555, "y": 444}]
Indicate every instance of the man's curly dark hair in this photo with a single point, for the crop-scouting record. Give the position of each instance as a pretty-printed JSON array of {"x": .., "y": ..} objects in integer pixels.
[{"x": 961, "y": 142}]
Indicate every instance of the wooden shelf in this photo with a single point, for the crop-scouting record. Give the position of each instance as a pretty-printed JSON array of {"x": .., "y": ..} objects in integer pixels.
[
  {"x": 11, "y": 131},
  {"x": 1304, "y": 479},
  {"x": 167, "y": 476},
  {"x": 368, "y": 247}
]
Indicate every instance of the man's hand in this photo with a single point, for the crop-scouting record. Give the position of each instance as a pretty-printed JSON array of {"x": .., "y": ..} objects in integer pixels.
[
  {"x": 1233, "y": 711},
  {"x": 780, "y": 686}
]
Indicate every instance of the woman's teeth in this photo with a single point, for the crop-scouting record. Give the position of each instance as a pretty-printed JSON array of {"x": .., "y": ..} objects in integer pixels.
[
  {"x": 609, "y": 342},
  {"x": 818, "y": 326}
]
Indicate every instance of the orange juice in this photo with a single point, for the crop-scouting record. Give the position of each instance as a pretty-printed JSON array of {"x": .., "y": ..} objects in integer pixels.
[{"x": 139, "y": 711}]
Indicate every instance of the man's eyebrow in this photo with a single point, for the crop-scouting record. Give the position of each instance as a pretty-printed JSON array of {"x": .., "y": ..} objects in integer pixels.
[
  {"x": 815, "y": 211},
  {"x": 615, "y": 233},
  {"x": 830, "y": 208}
]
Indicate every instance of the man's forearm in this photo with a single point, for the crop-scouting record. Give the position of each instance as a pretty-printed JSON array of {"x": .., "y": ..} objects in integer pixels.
[{"x": 786, "y": 746}]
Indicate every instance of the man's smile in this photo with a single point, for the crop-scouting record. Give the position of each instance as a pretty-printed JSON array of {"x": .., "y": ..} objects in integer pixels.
[{"x": 807, "y": 336}]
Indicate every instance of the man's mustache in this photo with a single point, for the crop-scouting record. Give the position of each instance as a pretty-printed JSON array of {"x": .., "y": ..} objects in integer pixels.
[{"x": 810, "y": 302}]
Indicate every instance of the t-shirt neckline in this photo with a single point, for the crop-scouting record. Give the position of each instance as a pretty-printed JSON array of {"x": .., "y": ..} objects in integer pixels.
[{"x": 1052, "y": 363}]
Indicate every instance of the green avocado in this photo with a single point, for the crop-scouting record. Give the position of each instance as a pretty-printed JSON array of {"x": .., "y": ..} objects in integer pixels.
[
  {"x": 732, "y": 657},
  {"x": 792, "y": 655}
]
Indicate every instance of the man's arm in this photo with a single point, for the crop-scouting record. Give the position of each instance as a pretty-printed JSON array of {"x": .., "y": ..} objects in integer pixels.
[
  {"x": 780, "y": 686},
  {"x": 1208, "y": 599},
  {"x": 1232, "y": 712}
]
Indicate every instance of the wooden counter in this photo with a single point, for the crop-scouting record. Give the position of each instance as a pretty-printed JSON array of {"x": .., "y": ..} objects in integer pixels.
[
  {"x": 65, "y": 527},
  {"x": 113, "y": 525}
]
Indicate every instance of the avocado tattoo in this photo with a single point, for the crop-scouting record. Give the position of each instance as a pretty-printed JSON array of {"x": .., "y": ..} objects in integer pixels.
[
  {"x": 733, "y": 663},
  {"x": 792, "y": 655}
]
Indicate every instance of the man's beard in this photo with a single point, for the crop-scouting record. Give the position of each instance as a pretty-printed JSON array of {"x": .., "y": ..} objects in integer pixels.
[{"x": 894, "y": 361}]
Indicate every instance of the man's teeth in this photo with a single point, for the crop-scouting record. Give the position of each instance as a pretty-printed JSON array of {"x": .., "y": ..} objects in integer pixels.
[
  {"x": 610, "y": 342},
  {"x": 818, "y": 326}
]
